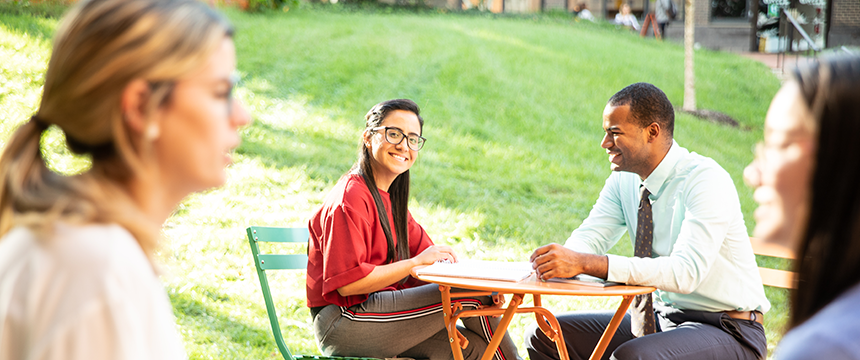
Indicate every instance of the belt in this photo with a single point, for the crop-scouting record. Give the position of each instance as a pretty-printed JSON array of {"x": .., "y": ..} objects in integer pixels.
[
  {"x": 316, "y": 310},
  {"x": 754, "y": 315}
]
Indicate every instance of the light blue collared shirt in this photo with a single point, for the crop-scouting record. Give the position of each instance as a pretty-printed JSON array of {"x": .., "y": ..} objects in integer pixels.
[{"x": 702, "y": 258}]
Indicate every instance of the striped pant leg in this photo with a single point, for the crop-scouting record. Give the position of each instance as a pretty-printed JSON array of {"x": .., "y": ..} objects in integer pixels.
[
  {"x": 392, "y": 323},
  {"x": 485, "y": 327},
  {"x": 478, "y": 330}
]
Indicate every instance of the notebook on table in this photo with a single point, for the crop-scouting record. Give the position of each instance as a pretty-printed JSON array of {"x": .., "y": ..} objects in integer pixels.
[
  {"x": 503, "y": 271},
  {"x": 481, "y": 269}
]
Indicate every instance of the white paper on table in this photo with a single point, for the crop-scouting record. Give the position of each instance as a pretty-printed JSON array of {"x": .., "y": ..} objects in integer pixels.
[{"x": 481, "y": 269}]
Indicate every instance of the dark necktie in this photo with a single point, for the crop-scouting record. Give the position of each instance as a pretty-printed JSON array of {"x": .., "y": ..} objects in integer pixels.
[{"x": 642, "y": 311}]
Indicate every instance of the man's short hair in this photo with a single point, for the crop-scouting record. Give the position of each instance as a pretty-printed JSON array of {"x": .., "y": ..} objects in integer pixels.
[{"x": 648, "y": 104}]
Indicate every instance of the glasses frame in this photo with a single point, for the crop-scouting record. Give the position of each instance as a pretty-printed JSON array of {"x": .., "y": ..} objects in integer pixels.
[{"x": 405, "y": 136}]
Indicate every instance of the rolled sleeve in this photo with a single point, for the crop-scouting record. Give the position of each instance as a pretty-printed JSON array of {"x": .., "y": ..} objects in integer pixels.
[{"x": 345, "y": 259}]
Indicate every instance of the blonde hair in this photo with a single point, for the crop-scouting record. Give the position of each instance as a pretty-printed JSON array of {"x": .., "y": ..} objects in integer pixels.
[{"x": 100, "y": 47}]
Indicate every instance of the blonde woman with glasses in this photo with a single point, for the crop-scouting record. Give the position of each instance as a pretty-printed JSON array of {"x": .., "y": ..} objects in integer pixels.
[{"x": 142, "y": 87}]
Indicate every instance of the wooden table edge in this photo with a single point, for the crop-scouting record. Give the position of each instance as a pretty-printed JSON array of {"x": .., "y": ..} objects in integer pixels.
[{"x": 533, "y": 287}]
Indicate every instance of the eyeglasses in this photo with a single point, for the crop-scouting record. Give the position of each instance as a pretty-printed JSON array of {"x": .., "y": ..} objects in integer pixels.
[{"x": 395, "y": 136}]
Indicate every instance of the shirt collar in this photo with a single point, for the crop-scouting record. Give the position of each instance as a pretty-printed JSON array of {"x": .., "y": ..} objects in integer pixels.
[{"x": 654, "y": 182}]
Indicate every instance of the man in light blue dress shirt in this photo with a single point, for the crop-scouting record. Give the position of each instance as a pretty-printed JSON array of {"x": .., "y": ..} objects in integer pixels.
[{"x": 710, "y": 301}]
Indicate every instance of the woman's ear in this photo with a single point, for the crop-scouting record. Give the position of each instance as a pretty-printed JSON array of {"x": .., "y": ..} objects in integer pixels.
[
  {"x": 367, "y": 137},
  {"x": 135, "y": 97}
]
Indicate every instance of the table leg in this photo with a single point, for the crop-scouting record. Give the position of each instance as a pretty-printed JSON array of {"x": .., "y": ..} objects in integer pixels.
[
  {"x": 516, "y": 300},
  {"x": 549, "y": 325},
  {"x": 610, "y": 330},
  {"x": 450, "y": 325}
]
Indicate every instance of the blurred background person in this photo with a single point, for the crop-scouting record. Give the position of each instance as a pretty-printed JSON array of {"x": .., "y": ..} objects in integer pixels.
[
  {"x": 144, "y": 88},
  {"x": 806, "y": 176},
  {"x": 626, "y": 18},
  {"x": 663, "y": 13},
  {"x": 582, "y": 12}
]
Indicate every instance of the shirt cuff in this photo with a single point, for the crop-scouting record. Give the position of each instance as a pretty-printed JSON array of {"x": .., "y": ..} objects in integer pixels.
[
  {"x": 619, "y": 268},
  {"x": 346, "y": 277}
]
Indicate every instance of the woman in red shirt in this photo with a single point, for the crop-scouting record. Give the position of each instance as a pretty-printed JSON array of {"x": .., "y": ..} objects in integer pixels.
[{"x": 363, "y": 245}]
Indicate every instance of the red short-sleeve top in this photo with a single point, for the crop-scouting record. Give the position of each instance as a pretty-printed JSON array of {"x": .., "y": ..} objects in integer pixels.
[{"x": 347, "y": 243}]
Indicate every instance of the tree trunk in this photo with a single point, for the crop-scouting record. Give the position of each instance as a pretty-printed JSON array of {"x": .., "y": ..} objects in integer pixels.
[
  {"x": 689, "y": 75},
  {"x": 754, "y": 25}
]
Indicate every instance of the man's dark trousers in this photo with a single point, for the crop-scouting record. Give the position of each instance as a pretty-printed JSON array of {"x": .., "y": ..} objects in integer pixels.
[{"x": 710, "y": 339}]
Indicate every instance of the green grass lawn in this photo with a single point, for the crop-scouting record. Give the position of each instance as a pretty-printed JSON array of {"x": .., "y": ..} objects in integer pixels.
[{"x": 513, "y": 121}]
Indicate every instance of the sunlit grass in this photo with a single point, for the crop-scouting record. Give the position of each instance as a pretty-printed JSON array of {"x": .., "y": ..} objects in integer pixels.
[{"x": 512, "y": 108}]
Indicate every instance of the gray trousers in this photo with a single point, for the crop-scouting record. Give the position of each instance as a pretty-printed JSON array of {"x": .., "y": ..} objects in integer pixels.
[
  {"x": 700, "y": 336},
  {"x": 405, "y": 323}
]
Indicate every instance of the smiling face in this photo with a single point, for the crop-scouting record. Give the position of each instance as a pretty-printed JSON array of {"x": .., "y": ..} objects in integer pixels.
[
  {"x": 782, "y": 170},
  {"x": 629, "y": 146},
  {"x": 199, "y": 125},
  {"x": 388, "y": 160}
]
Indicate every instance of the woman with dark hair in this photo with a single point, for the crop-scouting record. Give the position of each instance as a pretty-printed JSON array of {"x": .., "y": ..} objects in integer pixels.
[
  {"x": 131, "y": 85},
  {"x": 363, "y": 246},
  {"x": 807, "y": 180}
]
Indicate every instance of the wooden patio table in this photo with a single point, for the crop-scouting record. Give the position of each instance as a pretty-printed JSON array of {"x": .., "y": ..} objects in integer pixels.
[{"x": 518, "y": 290}]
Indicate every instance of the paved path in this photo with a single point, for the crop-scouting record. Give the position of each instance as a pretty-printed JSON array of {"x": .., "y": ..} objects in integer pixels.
[
  {"x": 773, "y": 62},
  {"x": 768, "y": 59}
]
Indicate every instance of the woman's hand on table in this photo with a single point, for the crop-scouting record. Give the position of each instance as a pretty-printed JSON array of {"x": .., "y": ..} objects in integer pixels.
[
  {"x": 435, "y": 253},
  {"x": 385, "y": 275}
]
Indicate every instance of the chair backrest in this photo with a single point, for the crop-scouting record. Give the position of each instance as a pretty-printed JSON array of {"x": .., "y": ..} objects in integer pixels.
[
  {"x": 263, "y": 262},
  {"x": 774, "y": 277}
]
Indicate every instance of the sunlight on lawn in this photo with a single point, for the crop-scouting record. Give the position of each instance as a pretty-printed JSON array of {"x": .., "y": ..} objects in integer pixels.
[{"x": 512, "y": 109}]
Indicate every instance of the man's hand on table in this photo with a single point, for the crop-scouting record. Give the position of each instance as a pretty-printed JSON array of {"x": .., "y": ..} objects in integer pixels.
[{"x": 554, "y": 260}]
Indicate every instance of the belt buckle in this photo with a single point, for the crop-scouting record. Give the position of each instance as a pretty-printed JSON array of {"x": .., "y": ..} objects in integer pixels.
[{"x": 755, "y": 315}]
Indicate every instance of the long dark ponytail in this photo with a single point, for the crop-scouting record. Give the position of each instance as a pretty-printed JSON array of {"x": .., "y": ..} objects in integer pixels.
[{"x": 399, "y": 189}]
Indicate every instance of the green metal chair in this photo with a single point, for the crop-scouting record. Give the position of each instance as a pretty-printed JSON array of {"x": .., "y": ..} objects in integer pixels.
[{"x": 263, "y": 262}]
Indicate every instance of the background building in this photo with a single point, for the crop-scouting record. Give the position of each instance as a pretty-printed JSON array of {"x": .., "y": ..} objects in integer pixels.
[{"x": 734, "y": 25}]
